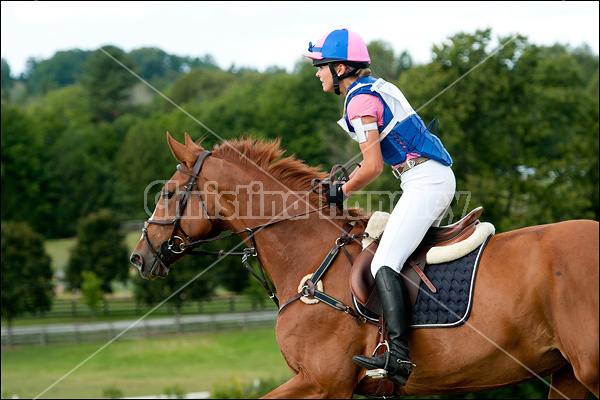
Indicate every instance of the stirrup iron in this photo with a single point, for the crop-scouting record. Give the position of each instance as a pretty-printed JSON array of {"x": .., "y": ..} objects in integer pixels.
[{"x": 379, "y": 373}]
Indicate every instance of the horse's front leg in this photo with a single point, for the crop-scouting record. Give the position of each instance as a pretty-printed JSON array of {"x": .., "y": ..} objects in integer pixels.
[{"x": 306, "y": 386}]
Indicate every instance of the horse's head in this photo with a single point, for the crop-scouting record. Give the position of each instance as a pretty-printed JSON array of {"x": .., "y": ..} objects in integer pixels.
[{"x": 181, "y": 216}]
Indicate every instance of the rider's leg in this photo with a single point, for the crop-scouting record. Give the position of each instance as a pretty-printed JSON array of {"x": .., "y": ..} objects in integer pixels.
[
  {"x": 428, "y": 190},
  {"x": 394, "y": 300}
]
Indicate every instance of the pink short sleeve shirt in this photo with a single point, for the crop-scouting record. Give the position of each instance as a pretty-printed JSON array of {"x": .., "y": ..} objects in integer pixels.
[{"x": 365, "y": 105}]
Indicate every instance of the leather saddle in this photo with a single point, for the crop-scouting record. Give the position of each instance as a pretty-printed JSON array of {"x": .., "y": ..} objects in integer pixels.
[{"x": 362, "y": 283}]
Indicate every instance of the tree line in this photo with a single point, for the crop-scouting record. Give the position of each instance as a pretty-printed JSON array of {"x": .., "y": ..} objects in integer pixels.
[{"x": 82, "y": 136}]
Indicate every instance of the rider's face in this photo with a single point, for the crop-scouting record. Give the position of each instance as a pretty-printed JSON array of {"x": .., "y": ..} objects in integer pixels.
[{"x": 324, "y": 75}]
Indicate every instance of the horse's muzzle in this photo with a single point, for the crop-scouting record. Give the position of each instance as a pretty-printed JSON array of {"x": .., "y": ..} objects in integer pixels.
[{"x": 156, "y": 269}]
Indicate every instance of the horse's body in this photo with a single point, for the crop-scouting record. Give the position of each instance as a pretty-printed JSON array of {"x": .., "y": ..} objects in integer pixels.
[{"x": 534, "y": 313}]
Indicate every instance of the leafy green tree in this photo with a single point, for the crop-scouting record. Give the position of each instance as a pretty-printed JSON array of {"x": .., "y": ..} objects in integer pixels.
[
  {"x": 30, "y": 65},
  {"x": 200, "y": 85},
  {"x": 91, "y": 291},
  {"x": 22, "y": 167},
  {"x": 155, "y": 64},
  {"x": 294, "y": 108},
  {"x": 384, "y": 63},
  {"x": 82, "y": 182},
  {"x": 26, "y": 274},
  {"x": 6, "y": 80},
  {"x": 62, "y": 69},
  {"x": 520, "y": 125},
  {"x": 60, "y": 116},
  {"x": 144, "y": 161},
  {"x": 77, "y": 177},
  {"x": 404, "y": 62},
  {"x": 161, "y": 69},
  {"x": 107, "y": 82},
  {"x": 100, "y": 249},
  {"x": 58, "y": 111},
  {"x": 232, "y": 113}
]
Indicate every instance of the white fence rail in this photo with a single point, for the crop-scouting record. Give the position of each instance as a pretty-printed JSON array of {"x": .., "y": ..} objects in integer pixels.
[{"x": 135, "y": 329}]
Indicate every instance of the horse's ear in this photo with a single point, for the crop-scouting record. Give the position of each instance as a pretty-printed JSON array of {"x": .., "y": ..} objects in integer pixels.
[
  {"x": 181, "y": 152},
  {"x": 190, "y": 144}
]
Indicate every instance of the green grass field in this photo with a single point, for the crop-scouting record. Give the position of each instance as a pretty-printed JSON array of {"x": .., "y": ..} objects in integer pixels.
[{"x": 193, "y": 363}]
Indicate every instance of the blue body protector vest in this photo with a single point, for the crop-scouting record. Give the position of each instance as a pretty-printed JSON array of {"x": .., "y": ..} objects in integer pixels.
[{"x": 403, "y": 132}]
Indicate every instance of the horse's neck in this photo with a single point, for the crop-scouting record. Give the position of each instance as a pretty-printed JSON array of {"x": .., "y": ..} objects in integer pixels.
[
  {"x": 288, "y": 250},
  {"x": 292, "y": 249}
]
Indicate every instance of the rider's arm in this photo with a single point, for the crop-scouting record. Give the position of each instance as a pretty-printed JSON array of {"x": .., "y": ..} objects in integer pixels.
[
  {"x": 372, "y": 164},
  {"x": 354, "y": 171}
]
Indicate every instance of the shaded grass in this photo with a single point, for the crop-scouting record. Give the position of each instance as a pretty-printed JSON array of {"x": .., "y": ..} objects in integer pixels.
[
  {"x": 197, "y": 362},
  {"x": 59, "y": 251}
]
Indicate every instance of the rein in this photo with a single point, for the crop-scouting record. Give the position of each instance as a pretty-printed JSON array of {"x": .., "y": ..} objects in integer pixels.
[{"x": 247, "y": 252}]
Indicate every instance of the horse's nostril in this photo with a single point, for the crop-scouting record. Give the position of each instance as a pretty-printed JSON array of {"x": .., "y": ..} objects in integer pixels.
[{"x": 136, "y": 260}]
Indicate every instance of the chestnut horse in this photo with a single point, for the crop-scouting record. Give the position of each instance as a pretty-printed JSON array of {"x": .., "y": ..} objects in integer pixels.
[{"x": 535, "y": 307}]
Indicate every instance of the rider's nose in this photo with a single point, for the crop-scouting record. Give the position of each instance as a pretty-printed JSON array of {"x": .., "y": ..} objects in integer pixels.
[{"x": 137, "y": 260}]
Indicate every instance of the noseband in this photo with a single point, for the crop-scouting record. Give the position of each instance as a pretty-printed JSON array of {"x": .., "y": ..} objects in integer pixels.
[{"x": 174, "y": 245}]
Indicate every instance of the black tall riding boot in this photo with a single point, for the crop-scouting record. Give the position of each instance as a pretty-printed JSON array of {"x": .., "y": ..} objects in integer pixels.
[{"x": 395, "y": 304}]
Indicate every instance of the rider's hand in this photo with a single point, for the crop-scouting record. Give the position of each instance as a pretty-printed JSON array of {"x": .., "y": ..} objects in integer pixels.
[{"x": 335, "y": 195}]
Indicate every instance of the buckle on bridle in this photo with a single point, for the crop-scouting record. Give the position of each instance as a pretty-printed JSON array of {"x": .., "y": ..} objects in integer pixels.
[
  {"x": 249, "y": 251},
  {"x": 305, "y": 291},
  {"x": 171, "y": 245}
]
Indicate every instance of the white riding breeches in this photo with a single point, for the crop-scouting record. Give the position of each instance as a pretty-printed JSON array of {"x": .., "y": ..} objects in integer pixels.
[{"x": 427, "y": 191}]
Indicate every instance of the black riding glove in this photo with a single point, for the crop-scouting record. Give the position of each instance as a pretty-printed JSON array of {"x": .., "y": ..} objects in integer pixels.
[{"x": 335, "y": 196}]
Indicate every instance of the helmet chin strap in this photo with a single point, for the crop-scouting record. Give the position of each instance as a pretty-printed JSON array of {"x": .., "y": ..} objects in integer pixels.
[
  {"x": 337, "y": 79},
  {"x": 334, "y": 75}
]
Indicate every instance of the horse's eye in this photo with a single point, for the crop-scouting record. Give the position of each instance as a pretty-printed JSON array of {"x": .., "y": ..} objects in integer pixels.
[{"x": 167, "y": 195}]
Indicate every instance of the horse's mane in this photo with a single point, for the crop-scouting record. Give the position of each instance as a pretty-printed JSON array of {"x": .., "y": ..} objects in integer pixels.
[{"x": 290, "y": 171}]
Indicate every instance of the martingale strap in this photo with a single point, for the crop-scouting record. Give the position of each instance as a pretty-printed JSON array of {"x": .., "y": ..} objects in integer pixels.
[{"x": 310, "y": 290}]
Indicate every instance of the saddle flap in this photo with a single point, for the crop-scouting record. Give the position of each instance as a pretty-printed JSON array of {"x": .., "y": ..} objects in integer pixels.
[
  {"x": 361, "y": 279},
  {"x": 362, "y": 283}
]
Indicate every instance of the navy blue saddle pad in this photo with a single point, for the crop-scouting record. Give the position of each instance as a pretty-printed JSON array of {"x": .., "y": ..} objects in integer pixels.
[{"x": 451, "y": 305}]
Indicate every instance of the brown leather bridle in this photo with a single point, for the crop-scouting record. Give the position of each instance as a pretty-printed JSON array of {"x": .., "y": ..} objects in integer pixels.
[{"x": 173, "y": 246}]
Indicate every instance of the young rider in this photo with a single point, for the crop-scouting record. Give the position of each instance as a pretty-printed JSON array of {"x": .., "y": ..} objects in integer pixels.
[{"x": 387, "y": 129}]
